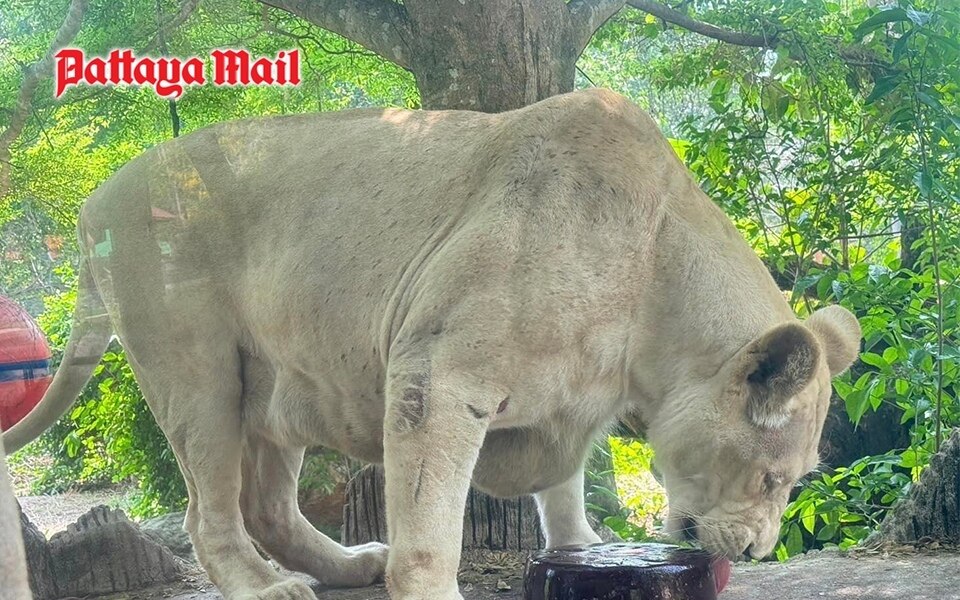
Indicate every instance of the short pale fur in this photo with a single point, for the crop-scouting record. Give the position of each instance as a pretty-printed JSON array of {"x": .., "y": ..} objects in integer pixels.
[
  {"x": 13, "y": 566},
  {"x": 459, "y": 295}
]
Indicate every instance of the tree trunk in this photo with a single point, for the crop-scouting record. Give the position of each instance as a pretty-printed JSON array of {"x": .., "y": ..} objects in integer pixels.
[
  {"x": 878, "y": 432},
  {"x": 40, "y": 567},
  {"x": 489, "y": 523},
  {"x": 488, "y": 56},
  {"x": 491, "y": 56},
  {"x": 932, "y": 510},
  {"x": 102, "y": 553}
]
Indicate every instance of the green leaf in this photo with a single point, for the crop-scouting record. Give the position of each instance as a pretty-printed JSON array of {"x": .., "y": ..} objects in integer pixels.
[
  {"x": 931, "y": 101},
  {"x": 878, "y": 390},
  {"x": 828, "y": 532},
  {"x": 901, "y": 46},
  {"x": 891, "y": 355},
  {"x": 918, "y": 18},
  {"x": 945, "y": 43},
  {"x": 804, "y": 283},
  {"x": 809, "y": 517},
  {"x": 874, "y": 360},
  {"x": 794, "y": 542},
  {"x": 901, "y": 387},
  {"x": 775, "y": 100},
  {"x": 924, "y": 182},
  {"x": 718, "y": 94},
  {"x": 914, "y": 457},
  {"x": 883, "y": 87},
  {"x": 887, "y": 16},
  {"x": 857, "y": 403}
]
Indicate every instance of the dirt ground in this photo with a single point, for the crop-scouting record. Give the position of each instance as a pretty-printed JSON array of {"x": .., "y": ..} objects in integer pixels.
[
  {"x": 54, "y": 513},
  {"x": 901, "y": 573},
  {"x": 864, "y": 576}
]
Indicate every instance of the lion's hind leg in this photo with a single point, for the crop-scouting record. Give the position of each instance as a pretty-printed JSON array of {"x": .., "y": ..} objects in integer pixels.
[
  {"x": 195, "y": 397},
  {"x": 273, "y": 518}
]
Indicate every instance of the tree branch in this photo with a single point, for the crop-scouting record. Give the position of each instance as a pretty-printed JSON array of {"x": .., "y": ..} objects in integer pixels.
[
  {"x": 593, "y": 13},
  {"x": 378, "y": 25},
  {"x": 712, "y": 31},
  {"x": 588, "y": 16},
  {"x": 32, "y": 76},
  {"x": 186, "y": 9}
]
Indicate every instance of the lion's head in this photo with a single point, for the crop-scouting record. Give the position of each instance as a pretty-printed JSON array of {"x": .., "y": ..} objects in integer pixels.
[{"x": 735, "y": 445}]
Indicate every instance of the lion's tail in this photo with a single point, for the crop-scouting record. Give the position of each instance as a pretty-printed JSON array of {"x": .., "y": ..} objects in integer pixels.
[{"x": 88, "y": 341}]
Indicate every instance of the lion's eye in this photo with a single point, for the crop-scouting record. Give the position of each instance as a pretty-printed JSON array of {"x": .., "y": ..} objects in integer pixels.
[{"x": 772, "y": 481}]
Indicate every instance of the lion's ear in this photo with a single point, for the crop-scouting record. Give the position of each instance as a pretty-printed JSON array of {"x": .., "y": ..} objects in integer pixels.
[
  {"x": 839, "y": 334},
  {"x": 776, "y": 367}
]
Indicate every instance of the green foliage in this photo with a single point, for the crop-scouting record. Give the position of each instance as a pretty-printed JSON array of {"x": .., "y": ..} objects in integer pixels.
[
  {"x": 644, "y": 501},
  {"x": 842, "y": 508},
  {"x": 322, "y": 471}
]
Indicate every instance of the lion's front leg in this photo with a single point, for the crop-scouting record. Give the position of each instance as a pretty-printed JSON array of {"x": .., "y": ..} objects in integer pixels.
[
  {"x": 563, "y": 516},
  {"x": 434, "y": 426}
]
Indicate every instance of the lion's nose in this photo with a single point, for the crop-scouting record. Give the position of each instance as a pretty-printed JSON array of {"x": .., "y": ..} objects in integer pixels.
[{"x": 688, "y": 529}]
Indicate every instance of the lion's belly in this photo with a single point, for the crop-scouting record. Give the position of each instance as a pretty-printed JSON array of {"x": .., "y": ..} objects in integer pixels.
[
  {"x": 337, "y": 409},
  {"x": 514, "y": 462}
]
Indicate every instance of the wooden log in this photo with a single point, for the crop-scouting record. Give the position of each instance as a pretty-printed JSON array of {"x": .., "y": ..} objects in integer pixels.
[
  {"x": 38, "y": 559},
  {"x": 932, "y": 510},
  {"x": 104, "y": 552},
  {"x": 489, "y": 523}
]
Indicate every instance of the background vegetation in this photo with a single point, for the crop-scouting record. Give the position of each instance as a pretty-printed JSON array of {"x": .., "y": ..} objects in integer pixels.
[{"x": 834, "y": 150}]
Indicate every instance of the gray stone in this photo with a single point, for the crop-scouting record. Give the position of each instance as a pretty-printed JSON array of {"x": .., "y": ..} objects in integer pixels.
[{"x": 167, "y": 530}]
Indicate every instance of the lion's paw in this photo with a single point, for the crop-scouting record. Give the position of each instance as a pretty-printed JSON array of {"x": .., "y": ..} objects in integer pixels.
[
  {"x": 362, "y": 566},
  {"x": 289, "y": 589}
]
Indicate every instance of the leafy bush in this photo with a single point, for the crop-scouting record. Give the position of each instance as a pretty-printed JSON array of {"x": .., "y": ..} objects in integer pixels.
[
  {"x": 644, "y": 501},
  {"x": 843, "y": 507}
]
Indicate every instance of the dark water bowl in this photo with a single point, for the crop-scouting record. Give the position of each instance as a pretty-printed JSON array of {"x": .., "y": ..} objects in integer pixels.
[{"x": 624, "y": 572}]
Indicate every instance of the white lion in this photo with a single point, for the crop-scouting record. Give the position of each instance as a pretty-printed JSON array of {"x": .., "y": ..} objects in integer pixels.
[
  {"x": 459, "y": 295},
  {"x": 13, "y": 566}
]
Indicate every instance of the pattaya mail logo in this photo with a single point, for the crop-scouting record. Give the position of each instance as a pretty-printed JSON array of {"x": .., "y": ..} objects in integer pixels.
[{"x": 169, "y": 76}]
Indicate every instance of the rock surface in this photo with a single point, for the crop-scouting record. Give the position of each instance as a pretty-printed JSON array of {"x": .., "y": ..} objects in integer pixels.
[{"x": 167, "y": 530}]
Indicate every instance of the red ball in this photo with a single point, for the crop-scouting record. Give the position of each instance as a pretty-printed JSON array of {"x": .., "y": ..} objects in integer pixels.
[{"x": 24, "y": 363}]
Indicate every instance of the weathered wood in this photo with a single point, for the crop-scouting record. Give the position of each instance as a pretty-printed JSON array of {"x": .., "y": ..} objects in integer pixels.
[
  {"x": 40, "y": 569},
  {"x": 489, "y": 523},
  {"x": 932, "y": 510},
  {"x": 103, "y": 552}
]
